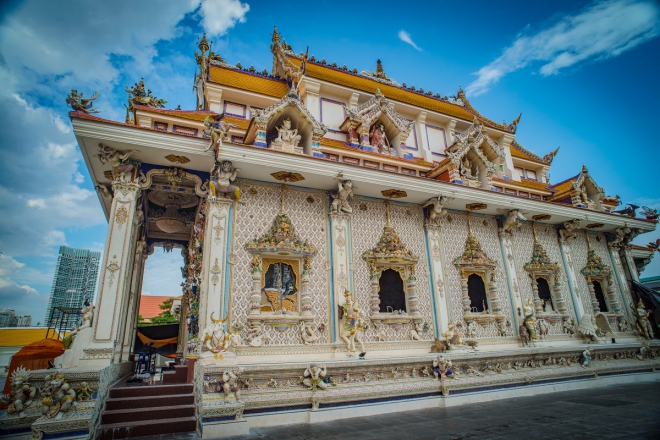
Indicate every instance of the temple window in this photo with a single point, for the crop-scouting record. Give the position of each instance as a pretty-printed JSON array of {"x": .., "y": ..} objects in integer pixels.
[
  {"x": 280, "y": 285},
  {"x": 392, "y": 294},
  {"x": 600, "y": 296},
  {"x": 520, "y": 171},
  {"x": 332, "y": 113},
  {"x": 531, "y": 175},
  {"x": 544, "y": 294},
  {"x": 436, "y": 138},
  {"x": 477, "y": 293}
]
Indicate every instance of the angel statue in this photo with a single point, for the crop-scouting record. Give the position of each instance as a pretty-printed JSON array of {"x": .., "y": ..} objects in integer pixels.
[
  {"x": 80, "y": 104},
  {"x": 343, "y": 196},
  {"x": 121, "y": 170},
  {"x": 642, "y": 325},
  {"x": 223, "y": 175},
  {"x": 511, "y": 219},
  {"x": 437, "y": 210},
  {"x": 216, "y": 130}
]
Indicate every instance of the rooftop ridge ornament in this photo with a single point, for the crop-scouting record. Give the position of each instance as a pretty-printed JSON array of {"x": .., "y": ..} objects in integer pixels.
[
  {"x": 379, "y": 75},
  {"x": 80, "y": 104},
  {"x": 138, "y": 95}
]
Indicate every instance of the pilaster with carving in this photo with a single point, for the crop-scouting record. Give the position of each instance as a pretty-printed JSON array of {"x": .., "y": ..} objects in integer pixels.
[
  {"x": 567, "y": 256},
  {"x": 134, "y": 300},
  {"x": 216, "y": 241},
  {"x": 512, "y": 276},
  {"x": 434, "y": 240},
  {"x": 118, "y": 259},
  {"x": 340, "y": 224}
]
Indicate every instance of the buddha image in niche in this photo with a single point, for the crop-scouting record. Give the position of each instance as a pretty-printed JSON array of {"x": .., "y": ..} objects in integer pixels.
[{"x": 280, "y": 287}]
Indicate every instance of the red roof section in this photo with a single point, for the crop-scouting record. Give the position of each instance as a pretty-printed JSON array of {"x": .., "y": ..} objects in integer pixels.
[{"x": 149, "y": 305}]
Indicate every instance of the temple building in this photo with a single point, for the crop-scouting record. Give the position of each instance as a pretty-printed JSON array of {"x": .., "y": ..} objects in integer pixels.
[{"x": 352, "y": 245}]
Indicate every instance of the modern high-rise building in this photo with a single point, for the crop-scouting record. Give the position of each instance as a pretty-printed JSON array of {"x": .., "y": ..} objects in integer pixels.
[
  {"x": 23, "y": 321},
  {"x": 74, "y": 282}
]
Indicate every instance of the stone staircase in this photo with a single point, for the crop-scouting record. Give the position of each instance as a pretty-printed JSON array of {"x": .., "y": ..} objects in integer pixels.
[{"x": 137, "y": 410}]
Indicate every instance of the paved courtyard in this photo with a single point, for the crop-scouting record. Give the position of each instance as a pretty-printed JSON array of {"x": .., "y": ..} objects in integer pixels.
[
  {"x": 622, "y": 411},
  {"x": 614, "y": 412}
]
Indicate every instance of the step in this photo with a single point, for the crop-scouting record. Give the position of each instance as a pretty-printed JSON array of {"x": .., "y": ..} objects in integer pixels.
[
  {"x": 139, "y": 390},
  {"x": 149, "y": 401},
  {"x": 179, "y": 375},
  {"x": 143, "y": 428},
  {"x": 141, "y": 414}
]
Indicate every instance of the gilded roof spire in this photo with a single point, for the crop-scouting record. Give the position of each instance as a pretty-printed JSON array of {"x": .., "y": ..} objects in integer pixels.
[
  {"x": 276, "y": 36},
  {"x": 379, "y": 67},
  {"x": 536, "y": 239},
  {"x": 204, "y": 44}
]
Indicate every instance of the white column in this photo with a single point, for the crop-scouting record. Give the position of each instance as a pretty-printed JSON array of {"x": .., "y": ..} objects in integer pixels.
[
  {"x": 341, "y": 259},
  {"x": 213, "y": 97},
  {"x": 134, "y": 301},
  {"x": 216, "y": 238},
  {"x": 567, "y": 257},
  {"x": 631, "y": 263},
  {"x": 512, "y": 277},
  {"x": 115, "y": 275},
  {"x": 434, "y": 240},
  {"x": 620, "y": 276}
]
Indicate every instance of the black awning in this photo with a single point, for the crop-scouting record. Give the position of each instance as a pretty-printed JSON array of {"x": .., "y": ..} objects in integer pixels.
[{"x": 650, "y": 297}]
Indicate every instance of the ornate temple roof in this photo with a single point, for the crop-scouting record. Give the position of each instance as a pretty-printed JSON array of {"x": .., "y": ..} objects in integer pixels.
[
  {"x": 281, "y": 237},
  {"x": 252, "y": 82},
  {"x": 389, "y": 247}
]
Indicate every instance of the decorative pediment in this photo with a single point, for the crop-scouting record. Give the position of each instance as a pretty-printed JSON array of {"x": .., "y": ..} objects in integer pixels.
[
  {"x": 595, "y": 266},
  {"x": 473, "y": 140},
  {"x": 369, "y": 112},
  {"x": 281, "y": 238},
  {"x": 473, "y": 256},
  {"x": 540, "y": 261},
  {"x": 390, "y": 248},
  {"x": 301, "y": 120}
]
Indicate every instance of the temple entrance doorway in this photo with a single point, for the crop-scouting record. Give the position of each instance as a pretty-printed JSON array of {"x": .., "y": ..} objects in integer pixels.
[
  {"x": 600, "y": 297},
  {"x": 391, "y": 293},
  {"x": 477, "y": 293}
]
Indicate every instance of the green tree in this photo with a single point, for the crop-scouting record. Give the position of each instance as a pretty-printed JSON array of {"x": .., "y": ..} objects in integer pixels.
[{"x": 165, "y": 317}]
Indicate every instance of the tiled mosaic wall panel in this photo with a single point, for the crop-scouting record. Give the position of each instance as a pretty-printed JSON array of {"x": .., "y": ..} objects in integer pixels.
[
  {"x": 367, "y": 222},
  {"x": 454, "y": 233},
  {"x": 523, "y": 242},
  {"x": 254, "y": 216}
]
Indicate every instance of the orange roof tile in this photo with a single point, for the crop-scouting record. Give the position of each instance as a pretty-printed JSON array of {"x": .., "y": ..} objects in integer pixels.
[
  {"x": 149, "y": 305},
  {"x": 642, "y": 248},
  {"x": 520, "y": 152},
  {"x": 368, "y": 85},
  {"x": 247, "y": 81},
  {"x": 192, "y": 115},
  {"x": 564, "y": 187}
]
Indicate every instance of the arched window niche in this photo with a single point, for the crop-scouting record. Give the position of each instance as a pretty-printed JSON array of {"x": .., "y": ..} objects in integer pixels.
[
  {"x": 281, "y": 267},
  {"x": 393, "y": 284},
  {"x": 479, "y": 291},
  {"x": 545, "y": 278},
  {"x": 599, "y": 283}
]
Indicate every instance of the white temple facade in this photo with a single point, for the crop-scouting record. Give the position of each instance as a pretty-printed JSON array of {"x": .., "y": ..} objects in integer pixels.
[{"x": 340, "y": 230}]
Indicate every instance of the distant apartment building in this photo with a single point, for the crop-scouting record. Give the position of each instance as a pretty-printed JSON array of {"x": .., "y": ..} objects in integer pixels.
[
  {"x": 73, "y": 284},
  {"x": 24, "y": 321},
  {"x": 7, "y": 317}
]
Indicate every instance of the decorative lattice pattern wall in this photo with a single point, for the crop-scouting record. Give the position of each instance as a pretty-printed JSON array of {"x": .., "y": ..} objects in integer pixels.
[
  {"x": 523, "y": 242},
  {"x": 367, "y": 223},
  {"x": 454, "y": 233},
  {"x": 254, "y": 216}
]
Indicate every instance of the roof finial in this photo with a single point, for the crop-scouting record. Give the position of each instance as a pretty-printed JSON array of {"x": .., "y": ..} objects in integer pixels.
[
  {"x": 534, "y": 231},
  {"x": 276, "y": 36},
  {"x": 469, "y": 224},
  {"x": 586, "y": 234},
  {"x": 378, "y": 93},
  {"x": 203, "y": 45},
  {"x": 379, "y": 67},
  {"x": 387, "y": 212}
]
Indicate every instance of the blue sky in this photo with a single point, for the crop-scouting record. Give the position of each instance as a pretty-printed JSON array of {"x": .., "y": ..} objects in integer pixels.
[{"x": 584, "y": 75}]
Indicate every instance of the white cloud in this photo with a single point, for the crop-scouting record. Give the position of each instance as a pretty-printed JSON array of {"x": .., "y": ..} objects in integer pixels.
[
  {"x": 15, "y": 294},
  {"x": 600, "y": 31},
  {"x": 218, "y": 16},
  {"x": 162, "y": 273},
  {"x": 405, "y": 37}
]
